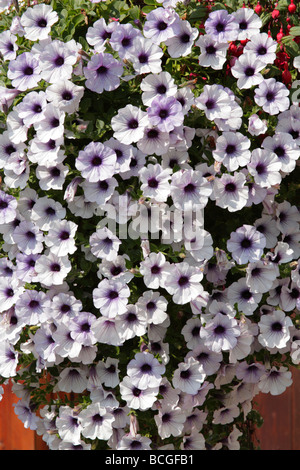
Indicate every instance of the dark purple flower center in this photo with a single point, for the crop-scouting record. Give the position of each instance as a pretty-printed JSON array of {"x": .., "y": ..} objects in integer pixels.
[
  {"x": 163, "y": 113},
  {"x": 37, "y": 108},
  {"x": 202, "y": 356},
  {"x": 113, "y": 295},
  {"x": 185, "y": 38},
  {"x": 30, "y": 235},
  {"x": 152, "y": 134},
  {"x": 111, "y": 369},
  {"x": 133, "y": 163},
  {"x": 85, "y": 327},
  {"x": 189, "y": 188},
  {"x": 262, "y": 50},
  {"x": 119, "y": 153},
  {"x": 282, "y": 216},
  {"x": 55, "y": 122},
  {"x": 13, "y": 320},
  {"x": 115, "y": 270},
  {"x": 195, "y": 331},
  {"x": 280, "y": 152},
  {"x": 161, "y": 26},
  {"x": 3, "y": 204},
  {"x": 133, "y": 124},
  {"x": 295, "y": 294},
  {"x": 51, "y": 144},
  {"x": 65, "y": 308},
  {"x": 151, "y": 305},
  {"x": 143, "y": 58},
  {"x": 277, "y": 326},
  {"x": 243, "y": 25},
  {"x": 246, "y": 294},
  {"x": 50, "y": 211},
  {"x": 270, "y": 96},
  {"x": 97, "y": 418},
  {"x": 34, "y": 304},
  {"x": 55, "y": 267},
  {"x": 42, "y": 22},
  {"x": 31, "y": 263},
  {"x": 230, "y": 187},
  {"x": 136, "y": 392},
  {"x": 249, "y": 72},
  {"x": 210, "y": 104},
  {"x": 220, "y": 27},
  {"x": 28, "y": 70},
  {"x": 106, "y": 35},
  {"x": 219, "y": 330},
  {"x": 173, "y": 162},
  {"x": 146, "y": 368},
  {"x": 210, "y": 49},
  {"x": 59, "y": 61},
  {"x": 126, "y": 42},
  {"x": 161, "y": 89},
  {"x": 67, "y": 95},
  {"x": 185, "y": 374},
  {"x": 246, "y": 243},
  {"x": 102, "y": 70},
  {"x": 152, "y": 183},
  {"x": 8, "y": 271},
  {"x": 260, "y": 169},
  {"x": 255, "y": 272},
  {"x": 166, "y": 417},
  {"x": 131, "y": 317},
  {"x": 294, "y": 134},
  {"x": 64, "y": 235},
  {"x": 55, "y": 172},
  {"x": 9, "y": 292},
  {"x": 135, "y": 445},
  {"x": 183, "y": 281},
  {"x": 231, "y": 148},
  {"x": 155, "y": 269},
  {"x": 103, "y": 185},
  {"x": 10, "y": 355},
  {"x": 96, "y": 160},
  {"x": 9, "y": 149}
]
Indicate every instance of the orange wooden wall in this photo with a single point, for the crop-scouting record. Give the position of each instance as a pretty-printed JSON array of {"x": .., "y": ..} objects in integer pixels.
[
  {"x": 13, "y": 435},
  {"x": 281, "y": 414},
  {"x": 280, "y": 431}
]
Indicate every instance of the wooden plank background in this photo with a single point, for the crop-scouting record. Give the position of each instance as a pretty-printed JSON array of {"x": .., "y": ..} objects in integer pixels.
[
  {"x": 281, "y": 414},
  {"x": 280, "y": 431}
]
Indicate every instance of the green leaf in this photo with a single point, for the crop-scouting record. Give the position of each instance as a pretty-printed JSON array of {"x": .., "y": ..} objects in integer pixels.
[
  {"x": 291, "y": 46},
  {"x": 295, "y": 31},
  {"x": 218, "y": 6},
  {"x": 148, "y": 8},
  {"x": 198, "y": 13},
  {"x": 135, "y": 13}
]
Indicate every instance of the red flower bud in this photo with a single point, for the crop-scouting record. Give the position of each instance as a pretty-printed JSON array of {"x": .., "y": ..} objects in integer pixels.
[
  {"x": 292, "y": 7},
  {"x": 280, "y": 35},
  {"x": 232, "y": 48},
  {"x": 258, "y": 8},
  {"x": 275, "y": 14},
  {"x": 286, "y": 75}
]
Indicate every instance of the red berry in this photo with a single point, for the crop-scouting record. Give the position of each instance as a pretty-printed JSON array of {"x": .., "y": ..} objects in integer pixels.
[
  {"x": 286, "y": 75},
  {"x": 292, "y": 7},
  {"x": 275, "y": 14},
  {"x": 258, "y": 8},
  {"x": 280, "y": 35}
]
